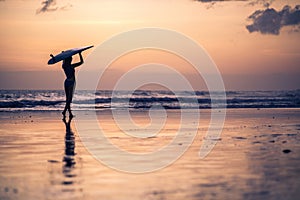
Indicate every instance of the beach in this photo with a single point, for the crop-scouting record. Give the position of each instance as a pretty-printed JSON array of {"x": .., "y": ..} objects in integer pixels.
[
  {"x": 256, "y": 157},
  {"x": 172, "y": 100}
]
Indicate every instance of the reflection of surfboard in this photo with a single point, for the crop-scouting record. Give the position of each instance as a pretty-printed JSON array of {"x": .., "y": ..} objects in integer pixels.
[{"x": 65, "y": 54}]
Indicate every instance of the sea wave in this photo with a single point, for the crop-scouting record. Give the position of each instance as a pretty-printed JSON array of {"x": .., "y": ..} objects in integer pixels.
[{"x": 11, "y": 100}]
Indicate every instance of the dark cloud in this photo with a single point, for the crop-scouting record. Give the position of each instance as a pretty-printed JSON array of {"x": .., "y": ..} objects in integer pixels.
[
  {"x": 50, "y": 6},
  {"x": 47, "y": 6},
  {"x": 270, "y": 21}
]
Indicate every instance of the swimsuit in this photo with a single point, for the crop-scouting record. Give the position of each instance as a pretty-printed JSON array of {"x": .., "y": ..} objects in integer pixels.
[{"x": 69, "y": 83}]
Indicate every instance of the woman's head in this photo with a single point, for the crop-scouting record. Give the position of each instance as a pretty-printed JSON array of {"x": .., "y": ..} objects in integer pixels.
[{"x": 68, "y": 60}]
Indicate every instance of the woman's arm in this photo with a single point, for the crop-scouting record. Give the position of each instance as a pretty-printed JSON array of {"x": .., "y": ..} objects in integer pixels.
[{"x": 79, "y": 63}]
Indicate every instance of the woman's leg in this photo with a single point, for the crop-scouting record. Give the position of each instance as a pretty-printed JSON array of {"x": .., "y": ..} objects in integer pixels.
[
  {"x": 72, "y": 89},
  {"x": 69, "y": 90},
  {"x": 66, "y": 105},
  {"x": 69, "y": 100}
]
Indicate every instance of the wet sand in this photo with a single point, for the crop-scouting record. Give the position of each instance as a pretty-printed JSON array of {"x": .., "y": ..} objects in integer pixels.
[{"x": 257, "y": 157}]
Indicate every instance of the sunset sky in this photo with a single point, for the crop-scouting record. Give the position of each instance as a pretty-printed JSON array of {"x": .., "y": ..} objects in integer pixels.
[{"x": 255, "y": 44}]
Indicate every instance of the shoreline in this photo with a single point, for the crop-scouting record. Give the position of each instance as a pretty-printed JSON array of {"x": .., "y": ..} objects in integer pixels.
[{"x": 146, "y": 109}]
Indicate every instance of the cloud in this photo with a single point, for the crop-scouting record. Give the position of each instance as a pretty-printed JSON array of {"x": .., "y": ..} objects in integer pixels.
[
  {"x": 66, "y": 7},
  {"x": 211, "y": 3},
  {"x": 50, "y": 6},
  {"x": 270, "y": 21},
  {"x": 215, "y": 1},
  {"x": 251, "y": 2},
  {"x": 264, "y": 3},
  {"x": 47, "y": 6}
]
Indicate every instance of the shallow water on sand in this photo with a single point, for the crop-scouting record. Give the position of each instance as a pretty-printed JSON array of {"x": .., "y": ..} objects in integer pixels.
[{"x": 257, "y": 157}]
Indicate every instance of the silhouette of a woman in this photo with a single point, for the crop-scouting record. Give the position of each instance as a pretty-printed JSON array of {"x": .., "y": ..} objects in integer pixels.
[
  {"x": 69, "y": 145},
  {"x": 69, "y": 157},
  {"x": 70, "y": 82}
]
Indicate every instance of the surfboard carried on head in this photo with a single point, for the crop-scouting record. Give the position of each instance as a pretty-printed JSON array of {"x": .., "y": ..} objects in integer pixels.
[{"x": 66, "y": 54}]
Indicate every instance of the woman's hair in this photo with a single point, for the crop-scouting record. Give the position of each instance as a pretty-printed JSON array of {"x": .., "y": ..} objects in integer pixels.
[{"x": 67, "y": 60}]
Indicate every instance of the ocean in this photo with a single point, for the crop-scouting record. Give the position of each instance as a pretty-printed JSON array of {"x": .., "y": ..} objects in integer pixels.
[{"x": 43, "y": 100}]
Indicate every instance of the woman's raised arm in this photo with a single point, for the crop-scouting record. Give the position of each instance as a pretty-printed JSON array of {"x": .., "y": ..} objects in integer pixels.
[{"x": 80, "y": 62}]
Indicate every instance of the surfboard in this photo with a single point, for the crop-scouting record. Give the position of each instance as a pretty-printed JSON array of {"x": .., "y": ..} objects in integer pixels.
[{"x": 66, "y": 54}]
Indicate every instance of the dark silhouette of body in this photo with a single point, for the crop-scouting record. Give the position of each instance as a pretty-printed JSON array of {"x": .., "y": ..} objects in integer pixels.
[
  {"x": 69, "y": 146},
  {"x": 70, "y": 82},
  {"x": 69, "y": 167}
]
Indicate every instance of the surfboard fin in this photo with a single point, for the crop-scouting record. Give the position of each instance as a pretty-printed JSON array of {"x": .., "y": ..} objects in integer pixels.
[{"x": 51, "y": 56}]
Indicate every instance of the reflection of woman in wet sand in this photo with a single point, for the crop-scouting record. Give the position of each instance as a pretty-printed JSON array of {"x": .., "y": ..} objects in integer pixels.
[
  {"x": 69, "y": 148},
  {"x": 70, "y": 82}
]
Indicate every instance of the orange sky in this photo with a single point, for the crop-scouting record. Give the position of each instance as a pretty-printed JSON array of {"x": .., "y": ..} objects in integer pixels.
[{"x": 27, "y": 38}]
